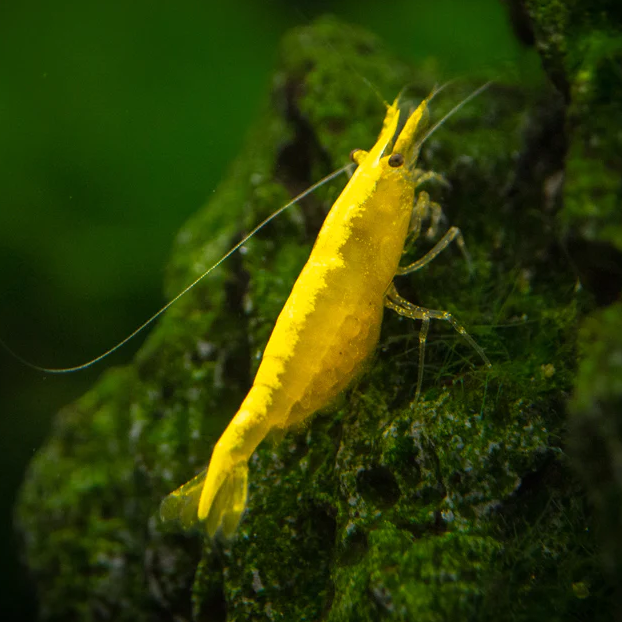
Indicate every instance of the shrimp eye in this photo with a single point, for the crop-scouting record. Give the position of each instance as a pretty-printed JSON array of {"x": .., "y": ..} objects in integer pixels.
[
  {"x": 353, "y": 155},
  {"x": 396, "y": 160}
]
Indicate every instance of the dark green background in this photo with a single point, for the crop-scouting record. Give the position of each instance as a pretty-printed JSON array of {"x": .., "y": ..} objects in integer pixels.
[{"x": 117, "y": 120}]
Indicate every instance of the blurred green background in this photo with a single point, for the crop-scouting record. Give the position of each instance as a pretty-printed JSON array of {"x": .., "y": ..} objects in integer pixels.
[{"x": 117, "y": 121}]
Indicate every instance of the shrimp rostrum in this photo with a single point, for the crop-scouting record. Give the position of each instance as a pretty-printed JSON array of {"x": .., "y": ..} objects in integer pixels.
[{"x": 331, "y": 321}]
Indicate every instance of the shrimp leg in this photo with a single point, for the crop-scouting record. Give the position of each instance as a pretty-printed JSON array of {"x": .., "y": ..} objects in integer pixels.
[
  {"x": 423, "y": 207},
  {"x": 421, "y": 210},
  {"x": 452, "y": 234},
  {"x": 402, "y": 306}
]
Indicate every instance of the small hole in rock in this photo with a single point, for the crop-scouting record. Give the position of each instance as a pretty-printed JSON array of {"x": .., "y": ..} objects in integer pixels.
[{"x": 378, "y": 487}]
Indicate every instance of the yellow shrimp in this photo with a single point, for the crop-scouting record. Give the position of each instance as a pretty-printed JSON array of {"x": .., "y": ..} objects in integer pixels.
[{"x": 331, "y": 321}]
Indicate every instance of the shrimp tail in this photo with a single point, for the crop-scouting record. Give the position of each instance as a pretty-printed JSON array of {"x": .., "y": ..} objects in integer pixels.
[
  {"x": 223, "y": 499},
  {"x": 216, "y": 497},
  {"x": 182, "y": 504}
]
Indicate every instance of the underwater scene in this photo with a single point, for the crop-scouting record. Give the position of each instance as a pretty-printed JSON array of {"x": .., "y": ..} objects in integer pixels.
[{"x": 385, "y": 380}]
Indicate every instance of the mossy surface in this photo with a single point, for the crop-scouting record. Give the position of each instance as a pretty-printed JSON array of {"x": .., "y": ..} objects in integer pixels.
[
  {"x": 581, "y": 43},
  {"x": 462, "y": 506},
  {"x": 596, "y": 428}
]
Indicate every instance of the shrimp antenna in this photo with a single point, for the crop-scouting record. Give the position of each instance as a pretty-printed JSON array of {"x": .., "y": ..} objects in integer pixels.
[
  {"x": 455, "y": 109},
  {"x": 66, "y": 370},
  {"x": 436, "y": 89}
]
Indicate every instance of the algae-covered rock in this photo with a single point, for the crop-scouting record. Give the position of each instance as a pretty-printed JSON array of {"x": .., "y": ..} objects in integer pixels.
[
  {"x": 581, "y": 45},
  {"x": 597, "y": 425},
  {"x": 460, "y": 507}
]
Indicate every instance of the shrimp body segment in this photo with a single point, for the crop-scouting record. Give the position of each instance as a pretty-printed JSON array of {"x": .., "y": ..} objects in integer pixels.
[{"x": 329, "y": 325}]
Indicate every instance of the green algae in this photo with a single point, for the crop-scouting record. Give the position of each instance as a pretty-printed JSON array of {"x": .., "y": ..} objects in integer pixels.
[
  {"x": 463, "y": 506},
  {"x": 583, "y": 41},
  {"x": 596, "y": 429},
  {"x": 581, "y": 45}
]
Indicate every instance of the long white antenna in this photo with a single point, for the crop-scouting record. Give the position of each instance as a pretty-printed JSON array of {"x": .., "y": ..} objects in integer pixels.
[
  {"x": 455, "y": 109},
  {"x": 66, "y": 370}
]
